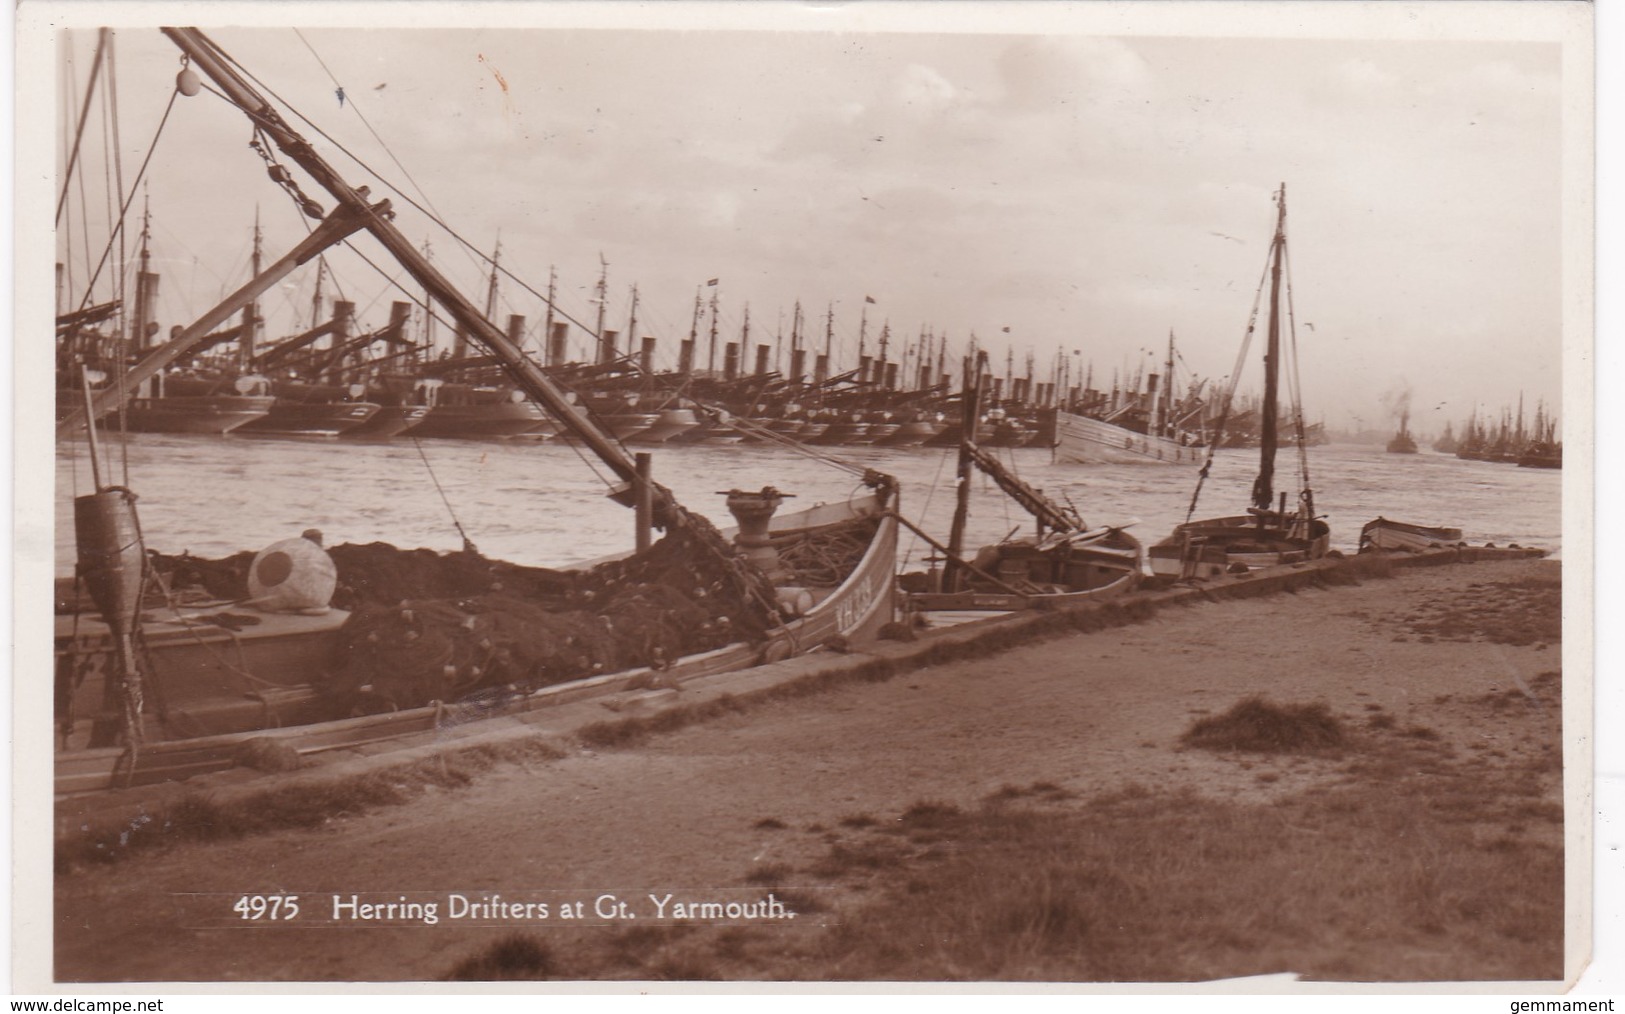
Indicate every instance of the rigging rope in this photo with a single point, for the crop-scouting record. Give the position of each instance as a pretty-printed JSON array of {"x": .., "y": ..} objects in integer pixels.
[
  {"x": 1296, "y": 385},
  {"x": 84, "y": 115},
  {"x": 1230, "y": 392},
  {"x": 124, "y": 209},
  {"x": 427, "y": 212},
  {"x": 468, "y": 544}
]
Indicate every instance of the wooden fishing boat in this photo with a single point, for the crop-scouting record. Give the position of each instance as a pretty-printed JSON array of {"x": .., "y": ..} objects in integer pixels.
[
  {"x": 210, "y": 406},
  {"x": 1085, "y": 441},
  {"x": 222, "y": 674},
  {"x": 1065, "y": 563},
  {"x": 1156, "y": 439},
  {"x": 1384, "y": 534},
  {"x": 161, "y": 691},
  {"x": 1268, "y": 534}
]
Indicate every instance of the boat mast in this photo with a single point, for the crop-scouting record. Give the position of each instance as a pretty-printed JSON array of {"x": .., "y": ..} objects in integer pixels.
[
  {"x": 143, "y": 307},
  {"x": 1168, "y": 406},
  {"x": 970, "y": 409},
  {"x": 711, "y": 349},
  {"x": 863, "y": 336},
  {"x": 251, "y": 312},
  {"x": 694, "y": 329},
  {"x": 602, "y": 299},
  {"x": 829, "y": 339},
  {"x": 552, "y": 288},
  {"x": 491, "y": 285},
  {"x": 1263, "y": 486},
  {"x": 632, "y": 325}
]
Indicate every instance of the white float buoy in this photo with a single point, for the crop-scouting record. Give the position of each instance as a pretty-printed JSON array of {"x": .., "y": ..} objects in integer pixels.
[
  {"x": 293, "y": 575},
  {"x": 186, "y": 82}
]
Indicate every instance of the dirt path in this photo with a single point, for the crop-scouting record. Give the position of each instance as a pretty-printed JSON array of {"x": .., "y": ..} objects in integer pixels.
[{"x": 695, "y": 810}]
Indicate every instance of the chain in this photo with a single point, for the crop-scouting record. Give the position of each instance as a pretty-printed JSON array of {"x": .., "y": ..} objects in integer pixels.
[{"x": 282, "y": 177}]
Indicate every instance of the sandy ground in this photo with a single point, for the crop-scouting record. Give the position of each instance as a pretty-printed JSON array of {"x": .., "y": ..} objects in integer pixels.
[{"x": 681, "y": 812}]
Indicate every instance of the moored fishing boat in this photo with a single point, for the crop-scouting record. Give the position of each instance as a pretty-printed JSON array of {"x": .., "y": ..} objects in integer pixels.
[
  {"x": 504, "y": 639},
  {"x": 1085, "y": 441},
  {"x": 1384, "y": 534},
  {"x": 1145, "y": 429},
  {"x": 1065, "y": 563},
  {"x": 1268, "y": 534}
]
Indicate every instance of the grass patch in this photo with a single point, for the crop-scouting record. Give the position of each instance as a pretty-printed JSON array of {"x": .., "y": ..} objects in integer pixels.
[
  {"x": 199, "y": 818},
  {"x": 1255, "y": 725},
  {"x": 1151, "y": 885},
  {"x": 1525, "y": 611},
  {"x": 517, "y": 956}
]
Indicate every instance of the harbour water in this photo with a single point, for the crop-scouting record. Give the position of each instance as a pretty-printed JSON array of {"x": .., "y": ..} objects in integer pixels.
[{"x": 543, "y": 504}]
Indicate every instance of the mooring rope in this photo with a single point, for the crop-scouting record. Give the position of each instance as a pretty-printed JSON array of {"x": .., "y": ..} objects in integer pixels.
[{"x": 468, "y": 544}]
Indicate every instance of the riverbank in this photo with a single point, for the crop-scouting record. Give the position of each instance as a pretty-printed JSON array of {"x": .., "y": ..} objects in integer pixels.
[{"x": 1035, "y": 814}]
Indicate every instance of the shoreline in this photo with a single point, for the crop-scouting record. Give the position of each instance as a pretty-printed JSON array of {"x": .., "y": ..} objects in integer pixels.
[{"x": 694, "y": 807}]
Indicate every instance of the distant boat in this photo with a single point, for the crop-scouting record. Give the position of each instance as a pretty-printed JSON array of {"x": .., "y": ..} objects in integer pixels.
[
  {"x": 1403, "y": 443},
  {"x": 1156, "y": 440},
  {"x": 1267, "y": 535},
  {"x": 1447, "y": 443}
]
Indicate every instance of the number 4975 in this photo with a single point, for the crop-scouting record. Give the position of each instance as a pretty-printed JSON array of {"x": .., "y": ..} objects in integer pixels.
[{"x": 267, "y": 906}]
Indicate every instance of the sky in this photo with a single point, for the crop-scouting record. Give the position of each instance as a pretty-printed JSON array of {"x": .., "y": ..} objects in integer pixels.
[{"x": 1090, "y": 189}]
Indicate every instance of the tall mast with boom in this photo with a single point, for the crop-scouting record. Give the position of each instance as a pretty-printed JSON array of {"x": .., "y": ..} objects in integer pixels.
[
  {"x": 1263, "y": 486},
  {"x": 353, "y": 207}
]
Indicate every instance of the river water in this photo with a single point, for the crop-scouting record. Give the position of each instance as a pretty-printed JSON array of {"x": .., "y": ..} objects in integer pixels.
[{"x": 541, "y": 504}]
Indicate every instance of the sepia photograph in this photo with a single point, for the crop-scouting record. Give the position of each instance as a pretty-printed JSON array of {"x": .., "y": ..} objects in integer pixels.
[{"x": 890, "y": 493}]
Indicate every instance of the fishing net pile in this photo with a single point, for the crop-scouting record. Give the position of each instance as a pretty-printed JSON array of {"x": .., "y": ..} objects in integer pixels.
[{"x": 429, "y": 626}]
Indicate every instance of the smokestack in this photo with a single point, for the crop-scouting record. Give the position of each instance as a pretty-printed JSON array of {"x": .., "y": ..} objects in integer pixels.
[
  {"x": 607, "y": 345},
  {"x": 730, "y": 361},
  {"x": 343, "y": 317},
  {"x": 685, "y": 357},
  {"x": 865, "y": 367},
  {"x": 820, "y": 368},
  {"x": 146, "y": 302},
  {"x": 798, "y": 365},
  {"x": 516, "y": 329},
  {"x": 646, "y": 358},
  {"x": 998, "y": 390},
  {"x": 558, "y": 343},
  {"x": 762, "y": 352},
  {"x": 891, "y": 377}
]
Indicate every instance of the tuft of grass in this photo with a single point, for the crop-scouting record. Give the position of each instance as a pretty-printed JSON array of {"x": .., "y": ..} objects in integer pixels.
[
  {"x": 516, "y": 956},
  {"x": 769, "y": 874},
  {"x": 195, "y": 817},
  {"x": 631, "y": 731},
  {"x": 1256, "y": 725},
  {"x": 769, "y": 824}
]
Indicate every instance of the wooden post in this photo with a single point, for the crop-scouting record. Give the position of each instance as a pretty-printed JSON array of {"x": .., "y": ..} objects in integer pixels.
[
  {"x": 645, "y": 503},
  {"x": 952, "y": 571}
]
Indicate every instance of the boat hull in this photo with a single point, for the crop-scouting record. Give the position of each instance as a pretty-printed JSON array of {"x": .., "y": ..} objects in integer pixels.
[
  {"x": 389, "y": 421},
  {"x": 1084, "y": 441},
  {"x": 281, "y": 652},
  {"x": 310, "y": 419},
  {"x": 204, "y": 414},
  {"x": 482, "y": 422},
  {"x": 1206, "y": 549},
  {"x": 1383, "y": 534}
]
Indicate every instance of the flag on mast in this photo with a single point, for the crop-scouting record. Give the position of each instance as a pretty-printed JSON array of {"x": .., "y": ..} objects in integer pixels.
[
  {"x": 868, "y": 299},
  {"x": 713, "y": 281}
]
